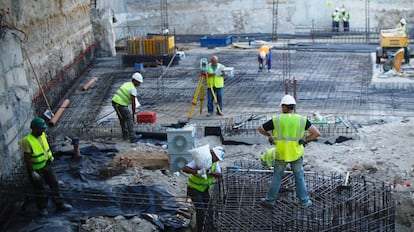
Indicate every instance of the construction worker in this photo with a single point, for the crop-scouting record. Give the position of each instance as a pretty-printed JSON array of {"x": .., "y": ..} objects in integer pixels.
[
  {"x": 215, "y": 80},
  {"x": 289, "y": 139},
  {"x": 335, "y": 20},
  {"x": 345, "y": 19},
  {"x": 198, "y": 187},
  {"x": 402, "y": 25},
  {"x": 264, "y": 57},
  {"x": 38, "y": 159},
  {"x": 124, "y": 96}
]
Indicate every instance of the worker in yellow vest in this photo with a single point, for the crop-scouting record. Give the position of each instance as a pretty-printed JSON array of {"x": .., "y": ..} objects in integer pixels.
[
  {"x": 38, "y": 159},
  {"x": 336, "y": 18},
  {"x": 198, "y": 186},
  {"x": 345, "y": 19},
  {"x": 123, "y": 97},
  {"x": 402, "y": 25},
  {"x": 287, "y": 130},
  {"x": 216, "y": 75}
]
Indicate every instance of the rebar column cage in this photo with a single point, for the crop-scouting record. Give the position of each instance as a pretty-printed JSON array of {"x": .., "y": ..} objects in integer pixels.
[{"x": 358, "y": 206}]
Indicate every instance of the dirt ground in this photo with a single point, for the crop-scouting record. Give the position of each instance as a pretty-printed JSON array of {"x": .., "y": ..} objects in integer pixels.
[{"x": 380, "y": 151}]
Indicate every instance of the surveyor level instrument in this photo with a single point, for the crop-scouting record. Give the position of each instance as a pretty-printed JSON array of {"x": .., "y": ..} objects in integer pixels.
[{"x": 200, "y": 90}]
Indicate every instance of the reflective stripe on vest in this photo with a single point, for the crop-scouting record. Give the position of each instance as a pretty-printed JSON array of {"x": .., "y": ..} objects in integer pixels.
[
  {"x": 122, "y": 95},
  {"x": 199, "y": 183},
  {"x": 38, "y": 156},
  {"x": 288, "y": 130},
  {"x": 215, "y": 81}
]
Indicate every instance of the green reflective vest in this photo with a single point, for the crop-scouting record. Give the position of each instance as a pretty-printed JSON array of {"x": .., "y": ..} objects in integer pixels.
[
  {"x": 122, "y": 95},
  {"x": 40, "y": 154},
  {"x": 267, "y": 157},
  {"x": 197, "y": 182},
  {"x": 336, "y": 16},
  {"x": 288, "y": 130},
  {"x": 345, "y": 16},
  {"x": 216, "y": 81}
]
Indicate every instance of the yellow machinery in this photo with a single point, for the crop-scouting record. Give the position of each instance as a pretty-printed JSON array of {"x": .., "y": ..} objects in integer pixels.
[
  {"x": 391, "y": 41},
  {"x": 151, "y": 45}
]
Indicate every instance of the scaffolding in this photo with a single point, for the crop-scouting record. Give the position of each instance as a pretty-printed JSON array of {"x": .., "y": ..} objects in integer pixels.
[{"x": 357, "y": 206}]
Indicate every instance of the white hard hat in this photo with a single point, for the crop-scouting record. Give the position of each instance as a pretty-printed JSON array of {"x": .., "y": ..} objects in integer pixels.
[
  {"x": 262, "y": 55},
  {"x": 403, "y": 21},
  {"x": 343, "y": 9},
  {"x": 219, "y": 152},
  {"x": 288, "y": 100},
  {"x": 337, "y": 9},
  {"x": 138, "y": 77}
]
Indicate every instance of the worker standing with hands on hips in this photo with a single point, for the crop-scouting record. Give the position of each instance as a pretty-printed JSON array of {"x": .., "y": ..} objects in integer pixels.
[
  {"x": 198, "y": 187},
  {"x": 215, "y": 80},
  {"x": 124, "y": 96},
  {"x": 289, "y": 139},
  {"x": 38, "y": 160},
  {"x": 264, "y": 57}
]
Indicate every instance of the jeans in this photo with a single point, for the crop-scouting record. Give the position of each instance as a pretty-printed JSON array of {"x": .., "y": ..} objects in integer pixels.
[
  {"x": 200, "y": 201},
  {"x": 210, "y": 100},
  {"x": 125, "y": 119},
  {"x": 297, "y": 168}
]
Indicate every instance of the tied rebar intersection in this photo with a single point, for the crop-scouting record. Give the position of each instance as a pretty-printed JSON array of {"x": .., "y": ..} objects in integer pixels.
[{"x": 357, "y": 206}]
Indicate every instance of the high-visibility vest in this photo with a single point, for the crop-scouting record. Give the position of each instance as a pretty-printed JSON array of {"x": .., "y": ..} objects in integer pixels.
[
  {"x": 288, "y": 130},
  {"x": 403, "y": 27},
  {"x": 216, "y": 81},
  {"x": 267, "y": 157},
  {"x": 335, "y": 16},
  {"x": 40, "y": 154},
  {"x": 122, "y": 95},
  {"x": 345, "y": 17},
  {"x": 264, "y": 48},
  {"x": 197, "y": 182}
]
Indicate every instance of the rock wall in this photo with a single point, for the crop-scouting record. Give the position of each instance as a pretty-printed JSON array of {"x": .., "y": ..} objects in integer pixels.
[{"x": 38, "y": 39}]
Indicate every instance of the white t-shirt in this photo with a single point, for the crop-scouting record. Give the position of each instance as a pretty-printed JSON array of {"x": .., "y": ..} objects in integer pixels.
[{"x": 193, "y": 165}]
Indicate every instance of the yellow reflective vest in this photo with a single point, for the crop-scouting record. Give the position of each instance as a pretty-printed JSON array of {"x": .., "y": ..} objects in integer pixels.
[
  {"x": 216, "y": 81},
  {"x": 197, "y": 182},
  {"x": 40, "y": 154},
  {"x": 288, "y": 130},
  {"x": 122, "y": 95},
  {"x": 267, "y": 157}
]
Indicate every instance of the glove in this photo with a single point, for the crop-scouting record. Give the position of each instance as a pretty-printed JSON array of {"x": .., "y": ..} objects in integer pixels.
[
  {"x": 302, "y": 142},
  {"x": 271, "y": 141},
  {"x": 36, "y": 176}
]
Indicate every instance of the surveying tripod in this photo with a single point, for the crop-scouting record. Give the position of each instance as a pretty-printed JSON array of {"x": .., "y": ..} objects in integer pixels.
[{"x": 201, "y": 87}]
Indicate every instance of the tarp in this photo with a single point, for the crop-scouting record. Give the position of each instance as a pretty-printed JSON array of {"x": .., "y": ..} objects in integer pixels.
[{"x": 84, "y": 187}]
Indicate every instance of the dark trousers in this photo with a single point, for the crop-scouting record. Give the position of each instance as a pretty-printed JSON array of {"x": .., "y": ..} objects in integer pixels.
[
  {"x": 125, "y": 119},
  {"x": 200, "y": 201},
  {"x": 41, "y": 194}
]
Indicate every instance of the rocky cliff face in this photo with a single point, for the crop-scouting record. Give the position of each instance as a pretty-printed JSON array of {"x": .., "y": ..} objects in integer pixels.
[{"x": 39, "y": 39}]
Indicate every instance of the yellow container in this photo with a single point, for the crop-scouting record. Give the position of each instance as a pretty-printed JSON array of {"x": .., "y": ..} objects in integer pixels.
[{"x": 151, "y": 45}]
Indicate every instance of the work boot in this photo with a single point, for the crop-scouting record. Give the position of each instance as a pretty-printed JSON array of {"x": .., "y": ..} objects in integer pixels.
[
  {"x": 209, "y": 114},
  {"x": 220, "y": 113},
  {"x": 135, "y": 139},
  {"x": 267, "y": 204},
  {"x": 43, "y": 212},
  {"x": 64, "y": 207},
  {"x": 307, "y": 204}
]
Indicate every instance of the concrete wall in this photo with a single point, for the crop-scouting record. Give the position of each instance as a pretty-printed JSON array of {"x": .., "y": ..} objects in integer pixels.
[
  {"x": 52, "y": 34},
  {"x": 254, "y": 16}
]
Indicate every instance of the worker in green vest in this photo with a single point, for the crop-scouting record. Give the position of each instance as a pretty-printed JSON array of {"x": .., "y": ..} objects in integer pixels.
[
  {"x": 345, "y": 19},
  {"x": 215, "y": 80},
  {"x": 336, "y": 18},
  {"x": 402, "y": 25},
  {"x": 287, "y": 130},
  {"x": 198, "y": 186},
  {"x": 38, "y": 159},
  {"x": 123, "y": 97}
]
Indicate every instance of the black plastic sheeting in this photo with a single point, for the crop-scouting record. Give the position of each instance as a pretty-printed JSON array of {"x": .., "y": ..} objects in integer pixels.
[{"x": 86, "y": 190}]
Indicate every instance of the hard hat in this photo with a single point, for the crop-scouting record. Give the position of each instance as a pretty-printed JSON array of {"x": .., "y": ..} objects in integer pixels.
[
  {"x": 343, "y": 9},
  {"x": 262, "y": 55},
  {"x": 219, "y": 152},
  {"x": 402, "y": 21},
  {"x": 288, "y": 100},
  {"x": 138, "y": 77},
  {"x": 38, "y": 123},
  {"x": 337, "y": 9}
]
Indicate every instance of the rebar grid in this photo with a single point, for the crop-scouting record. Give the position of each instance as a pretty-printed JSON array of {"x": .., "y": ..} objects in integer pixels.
[{"x": 358, "y": 206}]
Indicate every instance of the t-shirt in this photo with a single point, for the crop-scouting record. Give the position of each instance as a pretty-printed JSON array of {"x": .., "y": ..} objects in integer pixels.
[
  {"x": 193, "y": 165},
  {"x": 268, "y": 126}
]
